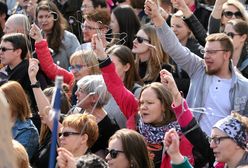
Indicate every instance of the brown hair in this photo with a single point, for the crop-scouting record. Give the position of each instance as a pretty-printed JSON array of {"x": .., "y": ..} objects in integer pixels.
[
  {"x": 54, "y": 38},
  {"x": 21, "y": 155},
  {"x": 85, "y": 124},
  {"x": 166, "y": 100},
  {"x": 134, "y": 147},
  {"x": 225, "y": 41},
  {"x": 101, "y": 16},
  {"x": 17, "y": 99}
]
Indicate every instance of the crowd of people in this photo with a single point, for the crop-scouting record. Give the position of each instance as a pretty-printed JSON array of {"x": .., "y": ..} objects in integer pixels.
[{"x": 146, "y": 84}]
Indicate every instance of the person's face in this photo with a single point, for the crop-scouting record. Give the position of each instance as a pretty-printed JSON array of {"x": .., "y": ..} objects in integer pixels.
[
  {"x": 238, "y": 40},
  {"x": 180, "y": 29},
  {"x": 46, "y": 20},
  {"x": 8, "y": 55},
  {"x": 71, "y": 142},
  {"x": 9, "y": 27},
  {"x": 87, "y": 100},
  {"x": 114, "y": 24},
  {"x": 89, "y": 29},
  {"x": 121, "y": 160},
  {"x": 216, "y": 58},
  {"x": 119, "y": 67},
  {"x": 229, "y": 13},
  {"x": 223, "y": 151},
  {"x": 151, "y": 108},
  {"x": 87, "y": 7},
  {"x": 140, "y": 48},
  {"x": 79, "y": 68},
  {"x": 23, "y": 3}
]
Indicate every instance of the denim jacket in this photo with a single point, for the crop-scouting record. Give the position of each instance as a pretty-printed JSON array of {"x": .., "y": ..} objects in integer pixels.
[{"x": 27, "y": 134}]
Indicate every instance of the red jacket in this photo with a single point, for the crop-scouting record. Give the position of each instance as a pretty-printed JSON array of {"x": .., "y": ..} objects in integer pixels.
[
  {"x": 49, "y": 67},
  {"x": 129, "y": 106}
]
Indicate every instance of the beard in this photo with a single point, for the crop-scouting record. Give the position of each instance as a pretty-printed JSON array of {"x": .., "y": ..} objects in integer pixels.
[{"x": 211, "y": 71}]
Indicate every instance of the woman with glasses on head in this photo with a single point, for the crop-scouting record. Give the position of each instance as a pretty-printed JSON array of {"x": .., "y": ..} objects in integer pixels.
[
  {"x": 150, "y": 57},
  {"x": 238, "y": 30},
  {"x": 228, "y": 141},
  {"x": 127, "y": 149},
  {"x": 53, "y": 25},
  {"x": 224, "y": 11}
]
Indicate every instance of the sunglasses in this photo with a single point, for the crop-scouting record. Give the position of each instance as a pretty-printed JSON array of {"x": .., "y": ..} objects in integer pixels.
[
  {"x": 66, "y": 134},
  {"x": 141, "y": 39},
  {"x": 114, "y": 153},
  {"x": 231, "y": 34},
  {"x": 76, "y": 67},
  {"x": 3, "y": 49},
  {"x": 229, "y": 14}
]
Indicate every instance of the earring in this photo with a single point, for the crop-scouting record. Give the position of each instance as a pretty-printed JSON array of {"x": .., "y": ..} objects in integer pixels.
[{"x": 131, "y": 165}]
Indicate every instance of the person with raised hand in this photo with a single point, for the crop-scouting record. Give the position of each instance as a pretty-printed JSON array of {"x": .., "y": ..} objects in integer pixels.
[
  {"x": 211, "y": 78},
  {"x": 171, "y": 140},
  {"x": 151, "y": 115}
]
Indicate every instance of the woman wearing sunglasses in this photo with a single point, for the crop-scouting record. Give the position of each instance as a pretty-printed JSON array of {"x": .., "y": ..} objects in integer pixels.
[
  {"x": 238, "y": 30},
  {"x": 228, "y": 142},
  {"x": 127, "y": 149},
  {"x": 154, "y": 117},
  {"x": 223, "y": 12},
  {"x": 150, "y": 57}
]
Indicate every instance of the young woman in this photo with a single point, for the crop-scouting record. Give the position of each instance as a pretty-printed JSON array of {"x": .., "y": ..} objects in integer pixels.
[
  {"x": 155, "y": 116},
  {"x": 127, "y": 149},
  {"x": 238, "y": 30},
  {"x": 23, "y": 129},
  {"x": 122, "y": 19},
  {"x": 53, "y": 25}
]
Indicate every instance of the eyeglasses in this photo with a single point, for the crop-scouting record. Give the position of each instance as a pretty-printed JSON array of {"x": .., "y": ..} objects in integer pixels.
[
  {"x": 141, "y": 39},
  {"x": 114, "y": 153},
  {"x": 217, "y": 140},
  {"x": 86, "y": 6},
  {"x": 3, "y": 49},
  {"x": 231, "y": 34},
  {"x": 229, "y": 14},
  {"x": 66, "y": 134},
  {"x": 203, "y": 51},
  {"x": 88, "y": 27},
  {"x": 75, "y": 68}
]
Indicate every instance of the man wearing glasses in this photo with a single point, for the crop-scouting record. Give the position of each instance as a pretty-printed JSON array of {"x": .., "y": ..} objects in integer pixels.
[
  {"x": 13, "y": 55},
  {"x": 216, "y": 87}
]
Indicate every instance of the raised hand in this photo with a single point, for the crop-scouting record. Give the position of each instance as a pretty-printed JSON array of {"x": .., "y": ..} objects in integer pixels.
[
  {"x": 98, "y": 47},
  {"x": 152, "y": 9},
  {"x": 65, "y": 159},
  {"x": 33, "y": 69},
  {"x": 181, "y": 5},
  {"x": 35, "y": 33}
]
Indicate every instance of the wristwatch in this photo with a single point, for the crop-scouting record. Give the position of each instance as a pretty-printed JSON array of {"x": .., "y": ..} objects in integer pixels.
[{"x": 35, "y": 85}]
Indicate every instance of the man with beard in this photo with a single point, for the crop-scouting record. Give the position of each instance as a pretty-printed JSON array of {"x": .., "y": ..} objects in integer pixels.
[{"x": 216, "y": 86}]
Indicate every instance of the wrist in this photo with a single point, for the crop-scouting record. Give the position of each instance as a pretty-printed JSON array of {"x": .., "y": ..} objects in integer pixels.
[
  {"x": 158, "y": 20},
  {"x": 33, "y": 81},
  {"x": 177, "y": 158}
]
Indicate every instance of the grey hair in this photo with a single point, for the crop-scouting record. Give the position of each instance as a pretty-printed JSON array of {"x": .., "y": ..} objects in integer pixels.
[
  {"x": 21, "y": 22},
  {"x": 95, "y": 84}
]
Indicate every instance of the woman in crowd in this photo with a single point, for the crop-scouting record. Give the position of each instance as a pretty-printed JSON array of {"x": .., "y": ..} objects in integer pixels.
[
  {"x": 53, "y": 25},
  {"x": 127, "y": 149},
  {"x": 23, "y": 129},
  {"x": 238, "y": 30},
  {"x": 155, "y": 116},
  {"x": 21, "y": 155},
  {"x": 150, "y": 57},
  {"x": 123, "y": 59},
  {"x": 124, "y": 24},
  {"x": 224, "y": 11},
  {"x": 228, "y": 141}
]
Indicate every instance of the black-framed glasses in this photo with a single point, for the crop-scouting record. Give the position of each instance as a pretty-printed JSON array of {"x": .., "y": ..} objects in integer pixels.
[
  {"x": 141, "y": 39},
  {"x": 3, "y": 49},
  {"x": 114, "y": 153},
  {"x": 76, "y": 67},
  {"x": 67, "y": 133},
  {"x": 229, "y": 14},
  {"x": 203, "y": 51},
  {"x": 231, "y": 34},
  {"x": 217, "y": 140}
]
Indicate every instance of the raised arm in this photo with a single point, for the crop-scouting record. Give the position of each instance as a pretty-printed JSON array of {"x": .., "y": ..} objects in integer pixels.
[
  {"x": 45, "y": 58},
  {"x": 181, "y": 55},
  {"x": 123, "y": 97}
]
